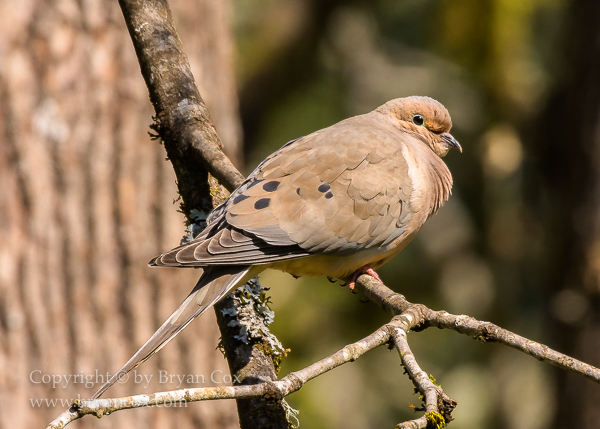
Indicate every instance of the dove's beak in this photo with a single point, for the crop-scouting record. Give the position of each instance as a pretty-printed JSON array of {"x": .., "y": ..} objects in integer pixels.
[{"x": 451, "y": 141}]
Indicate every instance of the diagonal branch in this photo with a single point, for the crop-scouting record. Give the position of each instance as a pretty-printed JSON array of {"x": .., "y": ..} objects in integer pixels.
[
  {"x": 182, "y": 119},
  {"x": 438, "y": 406},
  {"x": 395, "y": 303},
  {"x": 274, "y": 390}
]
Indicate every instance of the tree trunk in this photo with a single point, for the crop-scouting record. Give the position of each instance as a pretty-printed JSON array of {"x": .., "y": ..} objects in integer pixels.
[{"x": 86, "y": 200}]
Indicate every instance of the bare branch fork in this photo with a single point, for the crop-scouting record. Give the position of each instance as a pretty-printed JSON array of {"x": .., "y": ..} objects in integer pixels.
[
  {"x": 194, "y": 148},
  {"x": 395, "y": 303}
]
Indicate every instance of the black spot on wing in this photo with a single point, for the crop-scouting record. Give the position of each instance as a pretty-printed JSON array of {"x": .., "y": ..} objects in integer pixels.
[
  {"x": 240, "y": 198},
  {"x": 329, "y": 195},
  {"x": 271, "y": 186},
  {"x": 324, "y": 187},
  {"x": 256, "y": 182},
  {"x": 263, "y": 203},
  {"x": 298, "y": 191}
]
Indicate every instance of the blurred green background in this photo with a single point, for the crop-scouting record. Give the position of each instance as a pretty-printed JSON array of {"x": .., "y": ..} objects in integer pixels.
[{"x": 512, "y": 245}]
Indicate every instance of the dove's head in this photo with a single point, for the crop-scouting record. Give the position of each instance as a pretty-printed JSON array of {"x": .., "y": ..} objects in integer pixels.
[{"x": 426, "y": 117}]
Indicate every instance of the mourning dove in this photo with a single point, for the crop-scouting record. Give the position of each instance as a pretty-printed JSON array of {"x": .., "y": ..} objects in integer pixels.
[{"x": 338, "y": 202}]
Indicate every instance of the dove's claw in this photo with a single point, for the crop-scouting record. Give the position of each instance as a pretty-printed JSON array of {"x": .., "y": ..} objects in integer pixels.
[
  {"x": 370, "y": 271},
  {"x": 364, "y": 270}
]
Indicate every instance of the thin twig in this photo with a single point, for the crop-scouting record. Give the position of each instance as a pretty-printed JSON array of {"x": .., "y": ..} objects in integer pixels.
[
  {"x": 438, "y": 406},
  {"x": 104, "y": 407},
  {"x": 275, "y": 390},
  {"x": 395, "y": 303}
]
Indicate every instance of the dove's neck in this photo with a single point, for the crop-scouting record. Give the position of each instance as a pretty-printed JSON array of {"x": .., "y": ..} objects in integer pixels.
[{"x": 432, "y": 181}]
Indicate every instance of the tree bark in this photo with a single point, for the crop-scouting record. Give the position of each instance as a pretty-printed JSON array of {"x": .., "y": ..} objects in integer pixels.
[{"x": 86, "y": 200}]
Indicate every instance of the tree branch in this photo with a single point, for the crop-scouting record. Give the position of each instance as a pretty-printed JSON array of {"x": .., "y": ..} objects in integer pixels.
[
  {"x": 395, "y": 303},
  {"x": 271, "y": 390},
  {"x": 182, "y": 119},
  {"x": 438, "y": 406}
]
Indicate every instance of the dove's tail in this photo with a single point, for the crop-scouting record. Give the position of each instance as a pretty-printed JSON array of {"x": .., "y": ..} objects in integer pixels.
[{"x": 214, "y": 284}]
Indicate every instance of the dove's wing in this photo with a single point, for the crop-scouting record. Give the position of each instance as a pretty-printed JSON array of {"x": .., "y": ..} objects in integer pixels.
[{"x": 332, "y": 192}]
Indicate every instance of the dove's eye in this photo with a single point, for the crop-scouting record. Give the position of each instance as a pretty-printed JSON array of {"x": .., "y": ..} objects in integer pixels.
[{"x": 418, "y": 120}]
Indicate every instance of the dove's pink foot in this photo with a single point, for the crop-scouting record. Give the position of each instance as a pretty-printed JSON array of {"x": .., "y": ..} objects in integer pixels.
[{"x": 364, "y": 270}]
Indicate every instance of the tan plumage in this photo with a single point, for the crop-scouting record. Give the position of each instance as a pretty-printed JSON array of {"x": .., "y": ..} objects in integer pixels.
[{"x": 327, "y": 204}]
